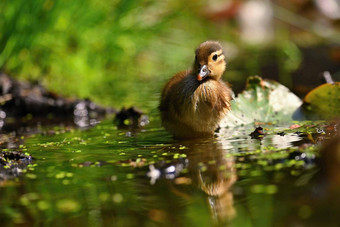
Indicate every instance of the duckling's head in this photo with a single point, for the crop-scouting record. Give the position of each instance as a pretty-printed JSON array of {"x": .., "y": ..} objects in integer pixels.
[{"x": 209, "y": 61}]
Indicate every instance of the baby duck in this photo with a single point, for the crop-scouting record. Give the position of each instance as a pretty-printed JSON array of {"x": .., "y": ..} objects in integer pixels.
[{"x": 194, "y": 102}]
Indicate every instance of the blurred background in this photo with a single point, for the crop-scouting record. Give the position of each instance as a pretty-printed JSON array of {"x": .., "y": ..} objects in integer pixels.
[{"x": 121, "y": 52}]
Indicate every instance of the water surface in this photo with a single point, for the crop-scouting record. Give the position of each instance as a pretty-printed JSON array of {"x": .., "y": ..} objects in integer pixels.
[{"x": 105, "y": 176}]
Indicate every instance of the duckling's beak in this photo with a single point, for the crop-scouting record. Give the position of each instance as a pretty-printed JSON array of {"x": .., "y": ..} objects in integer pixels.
[{"x": 204, "y": 72}]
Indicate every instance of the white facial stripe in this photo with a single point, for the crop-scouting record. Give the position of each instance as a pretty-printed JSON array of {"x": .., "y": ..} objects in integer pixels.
[{"x": 219, "y": 54}]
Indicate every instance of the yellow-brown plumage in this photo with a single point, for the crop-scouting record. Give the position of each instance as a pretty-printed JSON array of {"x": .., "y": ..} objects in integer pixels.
[{"x": 193, "y": 102}]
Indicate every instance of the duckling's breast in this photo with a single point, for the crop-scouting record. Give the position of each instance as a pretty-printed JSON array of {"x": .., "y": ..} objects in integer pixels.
[
  {"x": 189, "y": 106},
  {"x": 210, "y": 103}
]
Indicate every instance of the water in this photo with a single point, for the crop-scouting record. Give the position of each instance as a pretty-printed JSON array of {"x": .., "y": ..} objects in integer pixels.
[{"x": 105, "y": 176}]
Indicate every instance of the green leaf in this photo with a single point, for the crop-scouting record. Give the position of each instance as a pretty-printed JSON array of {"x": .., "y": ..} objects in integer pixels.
[
  {"x": 323, "y": 102},
  {"x": 262, "y": 101}
]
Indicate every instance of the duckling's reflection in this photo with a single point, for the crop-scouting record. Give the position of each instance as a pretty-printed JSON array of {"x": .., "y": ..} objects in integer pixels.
[{"x": 214, "y": 172}]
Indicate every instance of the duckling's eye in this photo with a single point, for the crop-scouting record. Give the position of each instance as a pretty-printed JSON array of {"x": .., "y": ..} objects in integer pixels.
[{"x": 214, "y": 57}]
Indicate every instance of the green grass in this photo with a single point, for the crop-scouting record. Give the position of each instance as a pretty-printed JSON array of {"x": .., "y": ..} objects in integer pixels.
[{"x": 119, "y": 52}]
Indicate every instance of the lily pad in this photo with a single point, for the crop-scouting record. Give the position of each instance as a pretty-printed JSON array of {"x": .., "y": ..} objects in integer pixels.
[
  {"x": 323, "y": 102},
  {"x": 262, "y": 101}
]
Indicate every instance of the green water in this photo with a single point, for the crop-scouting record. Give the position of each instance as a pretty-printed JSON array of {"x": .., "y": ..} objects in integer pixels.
[{"x": 105, "y": 176}]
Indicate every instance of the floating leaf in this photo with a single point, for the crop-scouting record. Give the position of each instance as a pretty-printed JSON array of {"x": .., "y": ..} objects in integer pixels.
[
  {"x": 262, "y": 101},
  {"x": 323, "y": 102}
]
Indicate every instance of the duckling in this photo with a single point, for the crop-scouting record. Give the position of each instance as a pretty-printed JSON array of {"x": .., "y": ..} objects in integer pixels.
[{"x": 193, "y": 102}]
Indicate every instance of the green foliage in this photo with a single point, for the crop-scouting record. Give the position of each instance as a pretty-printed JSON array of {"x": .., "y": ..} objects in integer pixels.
[
  {"x": 323, "y": 102},
  {"x": 117, "y": 52},
  {"x": 103, "y": 50}
]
